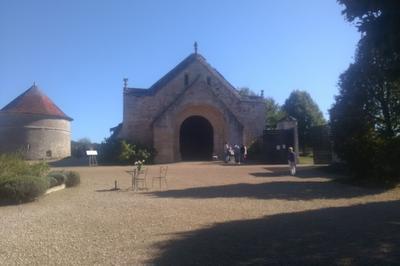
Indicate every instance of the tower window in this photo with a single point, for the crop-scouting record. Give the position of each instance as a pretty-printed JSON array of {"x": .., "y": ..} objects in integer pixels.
[
  {"x": 209, "y": 81},
  {"x": 186, "y": 79}
]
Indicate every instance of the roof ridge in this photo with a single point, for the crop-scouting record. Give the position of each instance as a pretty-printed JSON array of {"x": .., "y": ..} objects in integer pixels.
[
  {"x": 177, "y": 69},
  {"x": 166, "y": 78},
  {"x": 171, "y": 74}
]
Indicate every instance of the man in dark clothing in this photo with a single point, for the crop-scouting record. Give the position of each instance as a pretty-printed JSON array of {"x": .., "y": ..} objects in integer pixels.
[
  {"x": 242, "y": 152},
  {"x": 292, "y": 161}
]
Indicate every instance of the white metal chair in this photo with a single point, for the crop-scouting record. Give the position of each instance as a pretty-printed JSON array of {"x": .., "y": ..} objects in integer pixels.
[
  {"x": 139, "y": 178},
  {"x": 162, "y": 176}
]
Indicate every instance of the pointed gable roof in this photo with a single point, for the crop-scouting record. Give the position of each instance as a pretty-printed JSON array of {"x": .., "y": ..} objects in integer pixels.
[
  {"x": 176, "y": 71},
  {"x": 34, "y": 101}
]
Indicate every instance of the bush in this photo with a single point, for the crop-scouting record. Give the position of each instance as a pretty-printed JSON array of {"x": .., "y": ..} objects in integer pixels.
[
  {"x": 73, "y": 179},
  {"x": 386, "y": 160},
  {"x": 115, "y": 151},
  {"x": 22, "y": 188},
  {"x": 70, "y": 178},
  {"x": 38, "y": 169},
  {"x": 59, "y": 176},
  {"x": 52, "y": 181},
  {"x": 371, "y": 157},
  {"x": 255, "y": 151},
  {"x": 15, "y": 165},
  {"x": 21, "y": 181}
]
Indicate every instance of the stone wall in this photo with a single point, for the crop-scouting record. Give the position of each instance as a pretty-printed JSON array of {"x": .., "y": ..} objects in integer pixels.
[{"x": 36, "y": 136}]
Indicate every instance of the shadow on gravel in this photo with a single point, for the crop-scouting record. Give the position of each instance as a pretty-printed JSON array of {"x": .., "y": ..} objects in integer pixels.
[
  {"x": 302, "y": 172},
  {"x": 358, "y": 235},
  {"x": 108, "y": 190},
  {"x": 8, "y": 203},
  {"x": 306, "y": 190},
  {"x": 69, "y": 162}
]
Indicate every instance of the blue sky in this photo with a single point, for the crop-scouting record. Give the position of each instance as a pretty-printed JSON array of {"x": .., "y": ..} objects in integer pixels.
[{"x": 78, "y": 52}]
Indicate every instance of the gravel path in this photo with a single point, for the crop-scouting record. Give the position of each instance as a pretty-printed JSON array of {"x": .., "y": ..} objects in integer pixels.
[{"x": 210, "y": 214}]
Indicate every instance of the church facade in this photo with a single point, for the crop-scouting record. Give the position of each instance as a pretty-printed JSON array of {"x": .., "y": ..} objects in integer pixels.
[{"x": 190, "y": 113}]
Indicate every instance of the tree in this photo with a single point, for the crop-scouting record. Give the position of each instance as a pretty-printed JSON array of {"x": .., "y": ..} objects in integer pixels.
[
  {"x": 245, "y": 91},
  {"x": 378, "y": 61},
  {"x": 119, "y": 151},
  {"x": 273, "y": 113},
  {"x": 301, "y": 106},
  {"x": 79, "y": 148},
  {"x": 365, "y": 117}
]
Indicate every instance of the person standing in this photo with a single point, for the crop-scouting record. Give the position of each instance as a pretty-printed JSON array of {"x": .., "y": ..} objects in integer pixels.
[
  {"x": 226, "y": 151},
  {"x": 236, "y": 150},
  {"x": 242, "y": 153},
  {"x": 292, "y": 161}
]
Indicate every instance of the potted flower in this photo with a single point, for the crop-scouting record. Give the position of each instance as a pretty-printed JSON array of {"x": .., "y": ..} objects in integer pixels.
[{"x": 139, "y": 164}]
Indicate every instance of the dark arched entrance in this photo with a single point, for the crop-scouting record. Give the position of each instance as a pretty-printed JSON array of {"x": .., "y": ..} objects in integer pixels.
[{"x": 196, "y": 139}]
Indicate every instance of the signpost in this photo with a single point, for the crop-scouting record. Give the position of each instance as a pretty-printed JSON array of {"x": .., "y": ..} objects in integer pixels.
[{"x": 92, "y": 157}]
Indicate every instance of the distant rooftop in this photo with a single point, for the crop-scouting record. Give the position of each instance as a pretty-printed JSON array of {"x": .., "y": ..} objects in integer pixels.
[{"x": 34, "y": 101}]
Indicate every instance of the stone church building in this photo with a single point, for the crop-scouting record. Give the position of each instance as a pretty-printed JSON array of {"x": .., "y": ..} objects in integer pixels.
[{"x": 190, "y": 113}]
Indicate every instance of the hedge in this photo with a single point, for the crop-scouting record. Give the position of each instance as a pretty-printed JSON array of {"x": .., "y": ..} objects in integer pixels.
[
  {"x": 22, "y": 188},
  {"x": 73, "y": 179},
  {"x": 59, "y": 176}
]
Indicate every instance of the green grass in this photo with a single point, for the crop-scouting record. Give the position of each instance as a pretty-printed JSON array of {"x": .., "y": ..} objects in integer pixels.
[{"x": 306, "y": 160}]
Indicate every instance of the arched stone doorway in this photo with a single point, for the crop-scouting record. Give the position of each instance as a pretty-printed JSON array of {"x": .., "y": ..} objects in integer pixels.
[{"x": 196, "y": 139}]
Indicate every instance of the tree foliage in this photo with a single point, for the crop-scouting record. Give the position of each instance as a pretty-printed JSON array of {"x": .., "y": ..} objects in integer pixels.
[
  {"x": 117, "y": 151},
  {"x": 245, "y": 91},
  {"x": 79, "y": 148},
  {"x": 301, "y": 106},
  {"x": 273, "y": 113},
  {"x": 365, "y": 118}
]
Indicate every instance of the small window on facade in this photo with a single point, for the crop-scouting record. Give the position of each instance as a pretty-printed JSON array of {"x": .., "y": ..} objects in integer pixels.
[
  {"x": 186, "y": 79},
  {"x": 48, "y": 153},
  {"x": 209, "y": 81}
]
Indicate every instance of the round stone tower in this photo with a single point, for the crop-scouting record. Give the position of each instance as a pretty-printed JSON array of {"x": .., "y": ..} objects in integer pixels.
[{"x": 34, "y": 126}]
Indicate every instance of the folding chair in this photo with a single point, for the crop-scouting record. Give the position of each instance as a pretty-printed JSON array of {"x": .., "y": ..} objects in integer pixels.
[
  {"x": 161, "y": 176},
  {"x": 139, "y": 179}
]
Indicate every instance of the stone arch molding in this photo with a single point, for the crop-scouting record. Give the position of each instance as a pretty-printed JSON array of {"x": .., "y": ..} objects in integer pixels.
[
  {"x": 213, "y": 115},
  {"x": 167, "y": 130}
]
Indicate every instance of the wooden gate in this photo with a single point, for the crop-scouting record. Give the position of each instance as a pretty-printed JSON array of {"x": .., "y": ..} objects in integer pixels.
[{"x": 276, "y": 143}]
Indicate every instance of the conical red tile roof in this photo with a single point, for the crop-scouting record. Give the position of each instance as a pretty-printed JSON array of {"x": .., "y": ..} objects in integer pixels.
[{"x": 34, "y": 101}]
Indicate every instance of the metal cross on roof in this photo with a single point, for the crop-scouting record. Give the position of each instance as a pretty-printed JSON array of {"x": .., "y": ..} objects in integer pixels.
[
  {"x": 195, "y": 47},
  {"x": 125, "y": 83}
]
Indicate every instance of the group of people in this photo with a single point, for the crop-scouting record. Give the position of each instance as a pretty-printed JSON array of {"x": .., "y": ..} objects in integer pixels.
[
  {"x": 236, "y": 152},
  {"x": 239, "y": 154}
]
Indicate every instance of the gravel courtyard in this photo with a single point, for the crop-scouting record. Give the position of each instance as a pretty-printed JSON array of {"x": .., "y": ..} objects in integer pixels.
[{"x": 211, "y": 214}]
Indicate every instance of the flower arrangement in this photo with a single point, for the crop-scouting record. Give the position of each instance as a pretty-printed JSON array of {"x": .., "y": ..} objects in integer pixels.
[{"x": 139, "y": 164}]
